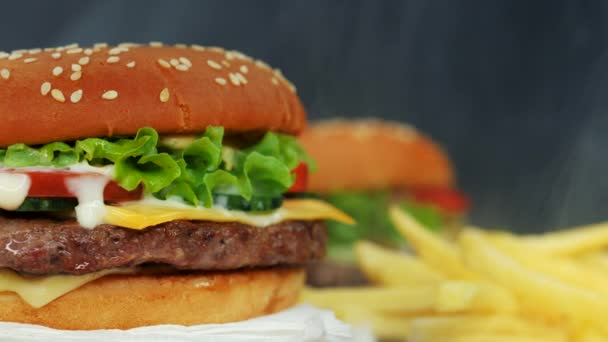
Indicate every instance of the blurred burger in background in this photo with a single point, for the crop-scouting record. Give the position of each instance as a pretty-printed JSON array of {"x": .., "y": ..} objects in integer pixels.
[{"x": 363, "y": 166}]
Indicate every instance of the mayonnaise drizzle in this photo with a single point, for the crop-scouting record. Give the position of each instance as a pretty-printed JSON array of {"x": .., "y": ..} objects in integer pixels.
[
  {"x": 91, "y": 209},
  {"x": 13, "y": 190}
]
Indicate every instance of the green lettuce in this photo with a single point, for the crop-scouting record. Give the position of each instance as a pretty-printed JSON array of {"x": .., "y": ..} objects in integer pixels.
[
  {"x": 370, "y": 211},
  {"x": 195, "y": 173}
]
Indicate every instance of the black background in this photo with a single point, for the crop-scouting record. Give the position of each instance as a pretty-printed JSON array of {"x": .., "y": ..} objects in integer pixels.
[{"x": 515, "y": 90}]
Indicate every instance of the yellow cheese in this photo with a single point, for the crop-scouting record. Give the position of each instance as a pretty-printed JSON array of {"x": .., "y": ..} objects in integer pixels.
[
  {"x": 141, "y": 215},
  {"x": 38, "y": 291}
]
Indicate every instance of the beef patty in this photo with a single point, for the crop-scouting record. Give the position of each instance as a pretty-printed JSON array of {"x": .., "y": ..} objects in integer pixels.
[{"x": 45, "y": 246}]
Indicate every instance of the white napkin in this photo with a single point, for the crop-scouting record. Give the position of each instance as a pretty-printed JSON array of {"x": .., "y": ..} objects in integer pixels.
[{"x": 301, "y": 323}]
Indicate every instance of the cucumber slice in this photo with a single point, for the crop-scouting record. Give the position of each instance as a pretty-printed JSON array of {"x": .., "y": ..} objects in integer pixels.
[
  {"x": 48, "y": 204},
  {"x": 257, "y": 203}
]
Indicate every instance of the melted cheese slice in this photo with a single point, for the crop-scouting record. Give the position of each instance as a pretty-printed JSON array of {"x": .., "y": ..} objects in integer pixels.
[
  {"x": 141, "y": 215},
  {"x": 38, "y": 291}
]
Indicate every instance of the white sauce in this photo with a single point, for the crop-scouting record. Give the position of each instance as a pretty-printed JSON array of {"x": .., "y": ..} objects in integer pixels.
[
  {"x": 82, "y": 167},
  {"x": 91, "y": 209},
  {"x": 13, "y": 190}
]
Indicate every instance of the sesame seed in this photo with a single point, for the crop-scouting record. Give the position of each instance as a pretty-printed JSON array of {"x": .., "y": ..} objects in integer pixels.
[
  {"x": 164, "y": 95},
  {"x": 29, "y": 60},
  {"x": 49, "y": 49},
  {"x": 71, "y": 46},
  {"x": 15, "y": 55},
  {"x": 234, "y": 79},
  {"x": 76, "y": 67},
  {"x": 75, "y": 76},
  {"x": 4, "y": 55},
  {"x": 197, "y": 47},
  {"x": 76, "y": 96},
  {"x": 226, "y": 63},
  {"x": 274, "y": 81},
  {"x": 214, "y": 64},
  {"x": 117, "y": 50},
  {"x": 291, "y": 87},
  {"x": 156, "y": 44},
  {"x": 241, "y": 56},
  {"x": 230, "y": 55},
  {"x": 174, "y": 62},
  {"x": 244, "y": 69},
  {"x": 60, "y": 48},
  {"x": 220, "y": 80},
  {"x": 5, "y": 73},
  {"x": 57, "y": 95},
  {"x": 45, "y": 88},
  {"x": 181, "y": 46},
  {"x": 131, "y": 64},
  {"x": 57, "y": 71},
  {"x": 216, "y": 49},
  {"x": 260, "y": 64},
  {"x": 100, "y": 45},
  {"x": 88, "y": 52},
  {"x": 84, "y": 61},
  {"x": 241, "y": 78},
  {"x": 185, "y": 61},
  {"x": 34, "y": 51},
  {"x": 73, "y": 51},
  {"x": 164, "y": 63},
  {"x": 56, "y": 55},
  {"x": 110, "y": 95},
  {"x": 21, "y": 51},
  {"x": 113, "y": 59},
  {"x": 128, "y": 45},
  {"x": 182, "y": 67}
]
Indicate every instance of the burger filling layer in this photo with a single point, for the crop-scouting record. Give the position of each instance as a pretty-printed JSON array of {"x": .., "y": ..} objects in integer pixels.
[{"x": 71, "y": 212}]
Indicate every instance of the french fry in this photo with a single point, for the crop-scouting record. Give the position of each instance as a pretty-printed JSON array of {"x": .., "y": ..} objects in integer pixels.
[
  {"x": 460, "y": 296},
  {"x": 438, "y": 253},
  {"x": 398, "y": 300},
  {"x": 449, "y": 328},
  {"x": 596, "y": 260},
  {"x": 590, "y": 335},
  {"x": 573, "y": 241},
  {"x": 538, "y": 291},
  {"x": 391, "y": 268},
  {"x": 568, "y": 270}
]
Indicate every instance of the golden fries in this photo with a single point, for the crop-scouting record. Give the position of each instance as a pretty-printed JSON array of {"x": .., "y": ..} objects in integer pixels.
[
  {"x": 390, "y": 268},
  {"x": 452, "y": 327},
  {"x": 437, "y": 252},
  {"x": 487, "y": 286},
  {"x": 572, "y": 241}
]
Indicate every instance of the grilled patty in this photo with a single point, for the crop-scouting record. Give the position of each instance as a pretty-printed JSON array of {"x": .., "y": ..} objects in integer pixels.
[{"x": 46, "y": 246}]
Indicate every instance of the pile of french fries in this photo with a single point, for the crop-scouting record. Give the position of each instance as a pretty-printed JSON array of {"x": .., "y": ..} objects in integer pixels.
[{"x": 484, "y": 286}]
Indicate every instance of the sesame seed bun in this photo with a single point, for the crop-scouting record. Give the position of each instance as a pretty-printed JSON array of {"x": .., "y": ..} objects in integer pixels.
[
  {"x": 69, "y": 93},
  {"x": 373, "y": 154},
  {"x": 128, "y": 301}
]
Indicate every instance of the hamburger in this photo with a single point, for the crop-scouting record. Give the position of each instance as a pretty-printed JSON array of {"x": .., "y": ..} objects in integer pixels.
[
  {"x": 144, "y": 185},
  {"x": 363, "y": 167}
]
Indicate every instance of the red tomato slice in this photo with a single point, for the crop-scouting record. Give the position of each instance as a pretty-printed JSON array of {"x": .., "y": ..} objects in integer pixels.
[
  {"x": 448, "y": 200},
  {"x": 301, "y": 182},
  {"x": 52, "y": 184}
]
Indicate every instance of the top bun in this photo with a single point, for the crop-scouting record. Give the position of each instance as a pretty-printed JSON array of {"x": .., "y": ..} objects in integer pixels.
[
  {"x": 373, "y": 154},
  {"x": 69, "y": 93}
]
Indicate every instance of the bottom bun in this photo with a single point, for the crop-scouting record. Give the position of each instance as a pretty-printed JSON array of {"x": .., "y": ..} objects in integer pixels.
[{"x": 129, "y": 301}]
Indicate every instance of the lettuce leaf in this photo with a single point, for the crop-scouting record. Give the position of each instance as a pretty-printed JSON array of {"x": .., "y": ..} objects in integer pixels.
[
  {"x": 203, "y": 168},
  {"x": 370, "y": 211}
]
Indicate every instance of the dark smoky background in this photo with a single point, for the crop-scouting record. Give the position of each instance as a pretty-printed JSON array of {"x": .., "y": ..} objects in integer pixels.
[{"x": 514, "y": 90}]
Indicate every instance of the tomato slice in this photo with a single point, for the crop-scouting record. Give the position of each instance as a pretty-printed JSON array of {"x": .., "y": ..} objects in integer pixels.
[
  {"x": 448, "y": 200},
  {"x": 301, "y": 182},
  {"x": 52, "y": 184}
]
